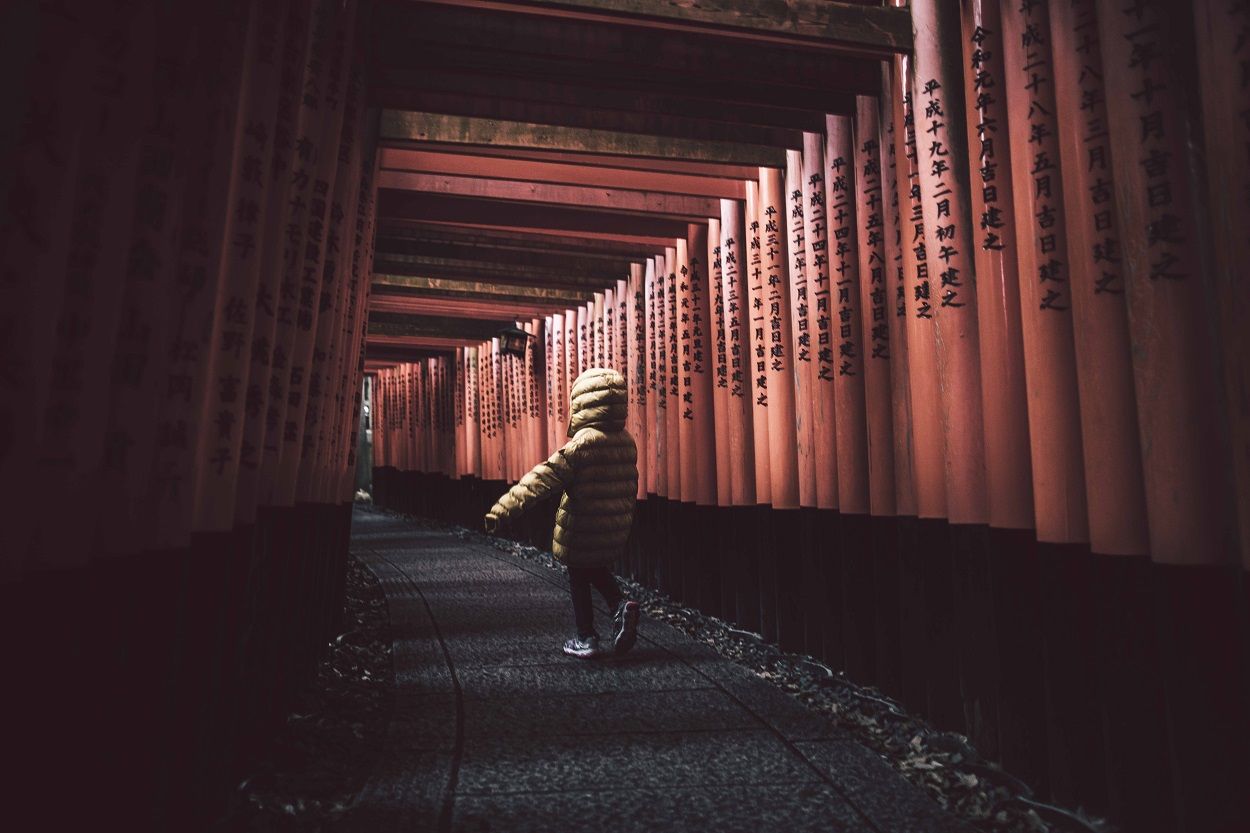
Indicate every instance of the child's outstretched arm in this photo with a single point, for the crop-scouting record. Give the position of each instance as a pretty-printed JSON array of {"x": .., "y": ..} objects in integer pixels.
[{"x": 545, "y": 480}]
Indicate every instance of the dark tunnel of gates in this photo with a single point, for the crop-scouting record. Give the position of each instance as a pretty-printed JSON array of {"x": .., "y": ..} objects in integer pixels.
[{"x": 953, "y": 400}]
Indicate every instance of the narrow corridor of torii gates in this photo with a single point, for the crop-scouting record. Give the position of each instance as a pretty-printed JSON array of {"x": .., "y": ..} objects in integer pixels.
[{"x": 931, "y": 315}]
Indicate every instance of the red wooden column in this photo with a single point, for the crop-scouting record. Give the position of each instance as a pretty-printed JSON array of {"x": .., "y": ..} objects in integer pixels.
[
  {"x": 553, "y": 378},
  {"x": 756, "y": 323},
  {"x": 682, "y": 366},
  {"x": 896, "y": 292},
  {"x": 848, "y": 355},
  {"x": 672, "y": 372},
  {"x": 735, "y": 313},
  {"x": 596, "y": 331},
  {"x": 609, "y": 327},
  {"x": 1225, "y": 85},
  {"x": 819, "y": 316},
  {"x": 537, "y": 385},
  {"x": 652, "y": 395},
  {"x": 190, "y": 297},
  {"x": 782, "y": 449},
  {"x": 801, "y": 342},
  {"x": 659, "y": 313},
  {"x": 620, "y": 337},
  {"x": 1179, "y": 417},
  {"x": 1108, "y": 407},
  {"x": 874, "y": 307},
  {"x": 636, "y": 364},
  {"x": 1007, "y": 457},
  {"x": 309, "y": 275},
  {"x": 472, "y": 413},
  {"x": 928, "y": 440},
  {"x": 719, "y": 356},
  {"x": 569, "y": 367},
  {"x": 700, "y": 370},
  {"x": 1045, "y": 278},
  {"x": 942, "y": 159}
]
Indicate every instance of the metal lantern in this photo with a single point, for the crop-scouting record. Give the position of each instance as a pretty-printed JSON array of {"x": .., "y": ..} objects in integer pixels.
[{"x": 512, "y": 341}]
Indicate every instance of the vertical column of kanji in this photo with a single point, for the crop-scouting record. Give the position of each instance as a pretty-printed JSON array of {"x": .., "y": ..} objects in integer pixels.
[
  {"x": 1172, "y": 361},
  {"x": 609, "y": 326},
  {"x": 354, "y": 358},
  {"x": 620, "y": 339},
  {"x": 660, "y": 361},
  {"x": 783, "y": 469},
  {"x": 503, "y": 379},
  {"x": 209, "y": 145},
  {"x": 579, "y": 345},
  {"x": 735, "y": 315},
  {"x": 801, "y": 344},
  {"x": 715, "y": 313},
  {"x": 683, "y": 361},
  {"x": 217, "y": 460},
  {"x": 358, "y": 321},
  {"x": 130, "y": 437},
  {"x": 1045, "y": 294},
  {"x": 874, "y": 301},
  {"x": 1108, "y": 407},
  {"x": 324, "y": 381},
  {"x": 38, "y": 183},
  {"x": 928, "y": 443},
  {"x": 595, "y": 332},
  {"x": 704, "y": 442},
  {"x": 569, "y": 367},
  {"x": 1224, "y": 71},
  {"x": 848, "y": 358},
  {"x": 757, "y": 326},
  {"x": 457, "y": 413},
  {"x": 657, "y": 471},
  {"x": 377, "y": 418},
  {"x": 559, "y": 382},
  {"x": 326, "y": 169},
  {"x": 281, "y": 327},
  {"x": 473, "y": 413},
  {"x": 260, "y": 399},
  {"x": 538, "y": 416},
  {"x": 552, "y": 374},
  {"x": 399, "y": 431},
  {"x": 819, "y": 317},
  {"x": 121, "y": 53},
  {"x": 1007, "y": 463},
  {"x": 938, "y": 88},
  {"x": 896, "y": 291},
  {"x": 484, "y": 412},
  {"x": 636, "y": 375},
  {"x": 672, "y": 372}
]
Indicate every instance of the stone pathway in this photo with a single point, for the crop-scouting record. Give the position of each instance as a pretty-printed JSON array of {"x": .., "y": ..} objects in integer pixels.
[{"x": 496, "y": 730}]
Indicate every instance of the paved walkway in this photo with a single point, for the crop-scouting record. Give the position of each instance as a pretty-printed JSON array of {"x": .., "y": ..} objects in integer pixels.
[{"x": 496, "y": 730}]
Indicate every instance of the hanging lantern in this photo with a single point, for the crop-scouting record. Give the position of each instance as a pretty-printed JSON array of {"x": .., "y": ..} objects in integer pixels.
[{"x": 512, "y": 340}]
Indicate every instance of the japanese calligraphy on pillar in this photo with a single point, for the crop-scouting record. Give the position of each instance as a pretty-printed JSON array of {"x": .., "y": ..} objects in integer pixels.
[
  {"x": 702, "y": 446},
  {"x": 715, "y": 317},
  {"x": 944, "y": 183},
  {"x": 1008, "y": 466},
  {"x": 672, "y": 374},
  {"x": 733, "y": 313},
  {"x": 817, "y": 313},
  {"x": 874, "y": 305},
  {"x": 758, "y": 357},
  {"x": 782, "y": 449},
  {"x": 804, "y": 371},
  {"x": 1107, "y": 401}
]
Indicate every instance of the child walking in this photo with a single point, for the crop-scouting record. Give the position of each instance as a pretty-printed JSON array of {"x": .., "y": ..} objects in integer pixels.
[{"x": 597, "y": 470}]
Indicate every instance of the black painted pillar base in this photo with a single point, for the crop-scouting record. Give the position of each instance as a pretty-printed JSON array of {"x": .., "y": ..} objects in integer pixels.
[
  {"x": 978, "y": 649},
  {"x": 1018, "y": 628},
  {"x": 764, "y": 569},
  {"x": 829, "y": 554},
  {"x": 787, "y": 558},
  {"x": 942, "y": 689},
  {"x": 858, "y": 595},
  {"x": 811, "y": 582},
  {"x": 913, "y": 618},
  {"x": 887, "y": 624}
]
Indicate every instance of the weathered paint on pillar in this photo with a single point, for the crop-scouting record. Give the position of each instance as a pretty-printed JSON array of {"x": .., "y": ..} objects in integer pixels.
[
  {"x": 1113, "y": 472},
  {"x": 1179, "y": 412},
  {"x": 700, "y": 368},
  {"x": 1225, "y": 84},
  {"x": 672, "y": 374},
  {"x": 1003, "y": 397},
  {"x": 620, "y": 335},
  {"x": 820, "y": 321},
  {"x": 1045, "y": 279},
  {"x": 659, "y": 362},
  {"x": 735, "y": 314},
  {"x": 848, "y": 354},
  {"x": 636, "y": 362},
  {"x": 783, "y": 467},
  {"x": 896, "y": 289},
  {"x": 801, "y": 338},
  {"x": 569, "y": 367},
  {"x": 928, "y": 439},
  {"x": 719, "y": 356},
  {"x": 757, "y": 327},
  {"x": 874, "y": 307}
]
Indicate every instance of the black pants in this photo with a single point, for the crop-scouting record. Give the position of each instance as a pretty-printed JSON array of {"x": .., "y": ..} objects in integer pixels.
[{"x": 580, "y": 580}]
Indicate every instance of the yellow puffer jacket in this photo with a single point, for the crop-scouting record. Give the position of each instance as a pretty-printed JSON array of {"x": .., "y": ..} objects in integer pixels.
[{"x": 597, "y": 469}]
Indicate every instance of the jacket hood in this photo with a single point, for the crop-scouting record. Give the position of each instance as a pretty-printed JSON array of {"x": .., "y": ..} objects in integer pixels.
[{"x": 599, "y": 400}]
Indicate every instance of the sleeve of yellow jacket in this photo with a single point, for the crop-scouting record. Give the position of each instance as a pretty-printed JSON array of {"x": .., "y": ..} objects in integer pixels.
[{"x": 544, "y": 481}]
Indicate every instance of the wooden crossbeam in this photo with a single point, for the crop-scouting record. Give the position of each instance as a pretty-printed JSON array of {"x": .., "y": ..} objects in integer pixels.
[
  {"x": 500, "y": 273},
  {"x": 401, "y": 325},
  {"x": 640, "y": 163},
  {"x": 442, "y": 252},
  {"x": 559, "y": 173},
  {"x": 399, "y": 231},
  {"x": 855, "y": 29},
  {"x": 402, "y": 126},
  {"x": 405, "y": 285},
  {"x": 615, "y": 199}
]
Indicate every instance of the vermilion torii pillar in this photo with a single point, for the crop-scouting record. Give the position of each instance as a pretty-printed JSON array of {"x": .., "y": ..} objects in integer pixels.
[{"x": 801, "y": 342}]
